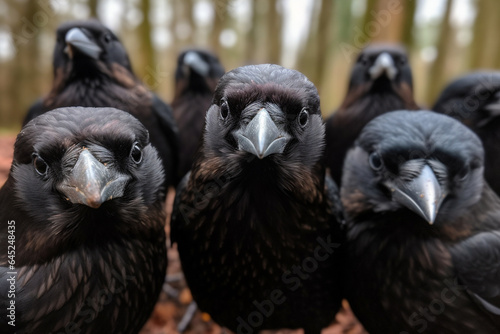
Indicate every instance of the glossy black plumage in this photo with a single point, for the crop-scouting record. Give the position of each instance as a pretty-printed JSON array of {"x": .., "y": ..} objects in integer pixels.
[
  {"x": 85, "y": 263},
  {"x": 196, "y": 77},
  {"x": 92, "y": 69},
  {"x": 474, "y": 99},
  {"x": 420, "y": 262},
  {"x": 377, "y": 85},
  {"x": 256, "y": 207}
]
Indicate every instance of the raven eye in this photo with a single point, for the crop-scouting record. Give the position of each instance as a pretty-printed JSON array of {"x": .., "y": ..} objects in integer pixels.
[
  {"x": 224, "y": 109},
  {"x": 402, "y": 61},
  {"x": 303, "y": 118},
  {"x": 364, "y": 61},
  {"x": 107, "y": 38},
  {"x": 375, "y": 161},
  {"x": 136, "y": 153},
  {"x": 40, "y": 165}
]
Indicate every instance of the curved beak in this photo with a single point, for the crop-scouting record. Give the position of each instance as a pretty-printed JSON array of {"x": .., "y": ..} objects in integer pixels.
[
  {"x": 91, "y": 183},
  {"x": 193, "y": 61},
  {"x": 492, "y": 111},
  {"x": 423, "y": 194},
  {"x": 261, "y": 136},
  {"x": 77, "y": 40},
  {"x": 384, "y": 64}
]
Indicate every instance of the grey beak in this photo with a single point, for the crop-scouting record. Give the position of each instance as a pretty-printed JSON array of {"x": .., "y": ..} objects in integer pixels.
[
  {"x": 261, "y": 137},
  {"x": 196, "y": 63},
  {"x": 492, "y": 112},
  {"x": 423, "y": 194},
  {"x": 383, "y": 64},
  {"x": 91, "y": 183},
  {"x": 76, "y": 38}
]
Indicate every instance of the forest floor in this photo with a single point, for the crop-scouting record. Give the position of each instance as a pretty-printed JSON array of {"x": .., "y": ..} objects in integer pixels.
[{"x": 175, "y": 299}]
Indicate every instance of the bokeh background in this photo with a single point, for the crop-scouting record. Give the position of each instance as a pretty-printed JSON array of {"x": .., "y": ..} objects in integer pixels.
[{"x": 318, "y": 37}]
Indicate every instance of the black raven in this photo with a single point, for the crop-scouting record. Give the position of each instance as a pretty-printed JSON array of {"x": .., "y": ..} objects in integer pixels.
[
  {"x": 423, "y": 228},
  {"x": 196, "y": 77},
  {"x": 257, "y": 225},
  {"x": 381, "y": 81},
  {"x": 82, "y": 225},
  {"x": 92, "y": 69},
  {"x": 474, "y": 99}
]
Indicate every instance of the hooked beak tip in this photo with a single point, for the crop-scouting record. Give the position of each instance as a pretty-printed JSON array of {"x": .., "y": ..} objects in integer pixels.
[
  {"x": 423, "y": 195},
  {"x": 91, "y": 183},
  {"x": 261, "y": 136},
  {"x": 94, "y": 203}
]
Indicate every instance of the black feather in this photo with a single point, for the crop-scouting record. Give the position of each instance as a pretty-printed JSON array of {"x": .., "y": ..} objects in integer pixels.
[
  {"x": 108, "y": 81},
  {"x": 404, "y": 274},
  {"x": 474, "y": 99},
  {"x": 366, "y": 99},
  {"x": 80, "y": 268},
  {"x": 245, "y": 225},
  {"x": 196, "y": 77}
]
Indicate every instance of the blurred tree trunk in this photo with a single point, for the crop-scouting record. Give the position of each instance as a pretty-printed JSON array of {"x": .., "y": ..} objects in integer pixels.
[
  {"x": 184, "y": 13},
  {"x": 408, "y": 23},
  {"x": 337, "y": 67},
  {"x": 221, "y": 13},
  {"x": 492, "y": 42},
  {"x": 480, "y": 30},
  {"x": 93, "y": 8},
  {"x": 167, "y": 59},
  {"x": 147, "y": 50},
  {"x": 23, "y": 87},
  {"x": 386, "y": 21},
  {"x": 251, "y": 36},
  {"x": 343, "y": 20},
  {"x": 318, "y": 52},
  {"x": 497, "y": 28},
  {"x": 484, "y": 47},
  {"x": 174, "y": 9},
  {"x": 274, "y": 26},
  {"x": 188, "y": 13},
  {"x": 324, "y": 40},
  {"x": 371, "y": 6},
  {"x": 256, "y": 46},
  {"x": 308, "y": 54},
  {"x": 439, "y": 68}
]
